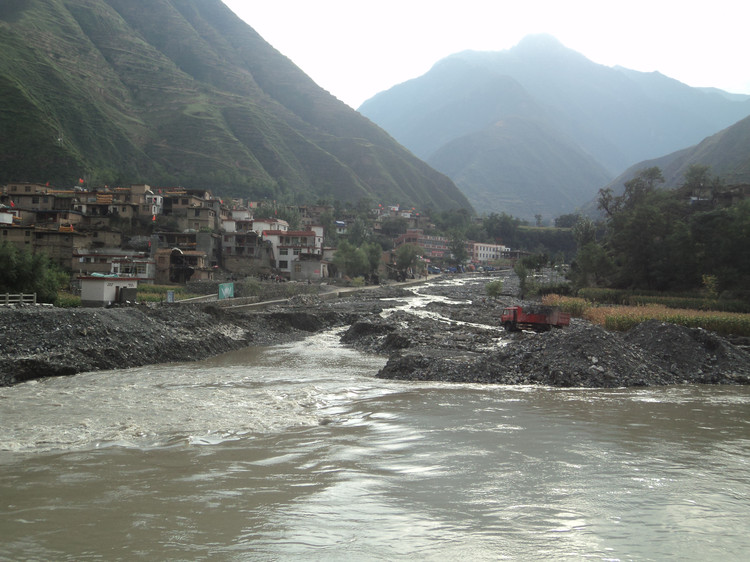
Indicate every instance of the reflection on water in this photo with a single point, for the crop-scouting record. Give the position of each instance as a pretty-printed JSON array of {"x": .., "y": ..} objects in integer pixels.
[{"x": 297, "y": 452}]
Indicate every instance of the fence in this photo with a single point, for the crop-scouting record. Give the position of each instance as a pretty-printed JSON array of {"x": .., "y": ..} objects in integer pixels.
[{"x": 7, "y": 299}]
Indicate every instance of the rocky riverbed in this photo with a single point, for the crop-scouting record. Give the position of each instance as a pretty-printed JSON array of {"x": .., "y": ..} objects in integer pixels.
[
  {"x": 454, "y": 338},
  {"x": 460, "y": 340}
]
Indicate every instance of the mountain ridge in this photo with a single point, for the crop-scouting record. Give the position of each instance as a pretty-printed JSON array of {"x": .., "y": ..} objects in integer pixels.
[
  {"x": 726, "y": 153},
  {"x": 614, "y": 115}
]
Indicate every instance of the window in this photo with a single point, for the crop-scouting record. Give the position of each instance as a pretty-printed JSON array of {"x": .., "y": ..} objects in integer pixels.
[
  {"x": 296, "y": 251},
  {"x": 283, "y": 265},
  {"x": 284, "y": 252},
  {"x": 297, "y": 268}
]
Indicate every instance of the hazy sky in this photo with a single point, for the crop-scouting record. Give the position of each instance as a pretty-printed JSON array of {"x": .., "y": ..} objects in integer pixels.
[{"x": 357, "y": 48}]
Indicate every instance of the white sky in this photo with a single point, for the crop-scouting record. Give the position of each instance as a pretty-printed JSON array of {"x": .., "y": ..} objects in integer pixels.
[{"x": 357, "y": 48}]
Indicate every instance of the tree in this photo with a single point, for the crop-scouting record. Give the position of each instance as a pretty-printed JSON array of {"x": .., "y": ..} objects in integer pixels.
[
  {"x": 502, "y": 228},
  {"x": 326, "y": 220},
  {"x": 374, "y": 253},
  {"x": 636, "y": 190},
  {"x": 696, "y": 180},
  {"x": 393, "y": 226},
  {"x": 584, "y": 231},
  {"x": 358, "y": 233},
  {"x": 407, "y": 256},
  {"x": 591, "y": 266},
  {"x": 494, "y": 288},
  {"x": 352, "y": 261},
  {"x": 24, "y": 272},
  {"x": 454, "y": 219},
  {"x": 364, "y": 206},
  {"x": 457, "y": 248},
  {"x": 567, "y": 221},
  {"x": 290, "y": 215}
]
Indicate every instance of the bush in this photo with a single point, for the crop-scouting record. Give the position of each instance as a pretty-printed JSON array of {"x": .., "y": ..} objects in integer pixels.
[
  {"x": 494, "y": 288},
  {"x": 554, "y": 289},
  {"x": 66, "y": 300}
]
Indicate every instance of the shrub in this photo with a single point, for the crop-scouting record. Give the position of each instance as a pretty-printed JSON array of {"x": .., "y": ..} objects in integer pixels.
[
  {"x": 494, "y": 288},
  {"x": 554, "y": 288},
  {"x": 66, "y": 300}
]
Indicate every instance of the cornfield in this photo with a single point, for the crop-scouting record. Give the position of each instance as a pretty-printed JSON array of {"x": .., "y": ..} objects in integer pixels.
[{"x": 622, "y": 318}]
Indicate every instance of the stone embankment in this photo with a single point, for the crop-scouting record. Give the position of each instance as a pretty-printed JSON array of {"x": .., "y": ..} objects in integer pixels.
[{"x": 457, "y": 338}]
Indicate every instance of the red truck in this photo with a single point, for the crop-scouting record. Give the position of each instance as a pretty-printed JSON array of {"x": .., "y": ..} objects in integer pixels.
[{"x": 538, "y": 318}]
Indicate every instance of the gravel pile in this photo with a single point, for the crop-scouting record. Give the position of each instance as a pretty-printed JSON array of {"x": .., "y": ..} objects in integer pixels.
[{"x": 38, "y": 342}]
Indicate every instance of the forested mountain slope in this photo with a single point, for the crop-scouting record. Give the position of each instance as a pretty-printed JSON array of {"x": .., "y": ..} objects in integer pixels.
[{"x": 184, "y": 92}]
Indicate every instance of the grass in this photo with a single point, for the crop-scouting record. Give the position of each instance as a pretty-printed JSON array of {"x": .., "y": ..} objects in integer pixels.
[
  {"x": 625, "y": 317},
  {"x": 158, "y": 293}
]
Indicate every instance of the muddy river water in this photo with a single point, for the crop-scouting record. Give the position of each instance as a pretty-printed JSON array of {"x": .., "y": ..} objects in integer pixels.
[{"x": 296, "y": 452}]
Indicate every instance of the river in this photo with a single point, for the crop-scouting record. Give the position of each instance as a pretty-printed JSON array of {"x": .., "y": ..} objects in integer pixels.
[{"x": 296, "y": 452}]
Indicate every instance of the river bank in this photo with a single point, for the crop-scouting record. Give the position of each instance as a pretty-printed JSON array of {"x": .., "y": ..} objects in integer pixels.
[{"x": 455, "y": 337}]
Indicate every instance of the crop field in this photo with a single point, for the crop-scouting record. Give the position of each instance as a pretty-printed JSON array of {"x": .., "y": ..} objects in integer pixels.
[{"x": 624, "y": 317}]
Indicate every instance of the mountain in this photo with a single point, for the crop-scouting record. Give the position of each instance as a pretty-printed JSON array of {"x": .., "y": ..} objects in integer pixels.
[
  {"x": 492, "y": 166},
  {"x": 182, "y": 92},
  {"x": 727, "y": 154},
  {"x": 614, "y": 116}
]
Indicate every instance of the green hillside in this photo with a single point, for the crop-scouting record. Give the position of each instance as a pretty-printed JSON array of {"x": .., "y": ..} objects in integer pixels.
[
  {"x": 727, "y": 155},
  {"x": 182, "y": 92}
]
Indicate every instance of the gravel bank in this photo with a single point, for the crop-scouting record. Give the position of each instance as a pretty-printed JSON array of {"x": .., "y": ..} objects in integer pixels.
[{"x": 38, "y": 342}]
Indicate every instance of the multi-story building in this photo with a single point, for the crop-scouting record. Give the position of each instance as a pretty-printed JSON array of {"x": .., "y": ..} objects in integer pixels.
[
  {"x": 137, "y": 265},
  {"x": 298, "y": 253},
  {"x": 434, "y": 247},
  {"x": 482, "y": 253}
]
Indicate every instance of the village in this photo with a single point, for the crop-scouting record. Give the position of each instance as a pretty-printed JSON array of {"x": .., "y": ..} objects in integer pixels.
[{"x": 125, "y": 236}]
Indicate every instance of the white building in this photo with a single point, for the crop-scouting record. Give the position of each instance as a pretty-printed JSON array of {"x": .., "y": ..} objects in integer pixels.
[
  {"x": 98, "y": 291},
  {"x": 484, "y": 253},
  {"x": 298, "y": 253}
]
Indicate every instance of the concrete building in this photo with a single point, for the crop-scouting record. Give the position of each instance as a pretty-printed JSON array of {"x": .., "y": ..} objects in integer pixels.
[
  {"x": 433, "y": 247},
  {"x": 98, "y": 291},
  {"x": 297, "y": 251}
]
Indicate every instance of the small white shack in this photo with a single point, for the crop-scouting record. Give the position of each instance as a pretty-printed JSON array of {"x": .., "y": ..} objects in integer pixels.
[{"x": 103, "y": 290}]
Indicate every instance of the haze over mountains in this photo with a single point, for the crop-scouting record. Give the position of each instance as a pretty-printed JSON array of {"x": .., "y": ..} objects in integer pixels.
[
  {"x": 182, "y": 92},
  {"x": 538, "y": 129}
]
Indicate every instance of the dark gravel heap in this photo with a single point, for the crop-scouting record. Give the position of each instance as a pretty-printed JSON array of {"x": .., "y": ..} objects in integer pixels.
[
  {"x": 585, "y": 355},
  {"x": 472, "y": 347},
  {"x": 40, "y": 342}
]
